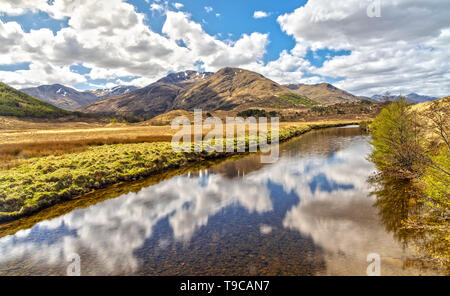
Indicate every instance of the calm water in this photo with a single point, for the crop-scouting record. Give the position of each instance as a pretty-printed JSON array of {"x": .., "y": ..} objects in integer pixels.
[{"x": 310, "y": 213}]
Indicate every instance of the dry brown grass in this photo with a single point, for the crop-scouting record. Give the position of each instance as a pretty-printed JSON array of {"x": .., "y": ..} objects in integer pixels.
[
  {"x": 11, "y": 154},
  {"x": 46, "y": 139}
]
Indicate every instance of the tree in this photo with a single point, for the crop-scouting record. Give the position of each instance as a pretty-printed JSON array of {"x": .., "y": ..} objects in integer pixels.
[{"x": 397, "y": 143}]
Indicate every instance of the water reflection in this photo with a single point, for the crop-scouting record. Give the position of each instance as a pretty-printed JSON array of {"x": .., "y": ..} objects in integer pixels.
[
  {"x": 306, "y": 214},
  {"x": 403, "y": 215}
]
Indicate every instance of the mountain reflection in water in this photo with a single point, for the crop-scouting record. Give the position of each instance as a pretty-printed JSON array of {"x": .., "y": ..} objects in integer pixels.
[{"x": 307, "y": 214}]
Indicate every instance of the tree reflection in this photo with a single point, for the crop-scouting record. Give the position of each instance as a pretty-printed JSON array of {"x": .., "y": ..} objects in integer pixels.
[{"x": 402, "y": 214}]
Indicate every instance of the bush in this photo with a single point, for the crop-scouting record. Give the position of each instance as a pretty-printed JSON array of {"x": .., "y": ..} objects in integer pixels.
[{"x": 257, "y": 113}]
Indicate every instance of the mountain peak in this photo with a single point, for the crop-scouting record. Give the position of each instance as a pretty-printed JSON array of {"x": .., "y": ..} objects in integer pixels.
[
  {"x": 185, "y": 77},
  {"x": 235, "y": 71}
]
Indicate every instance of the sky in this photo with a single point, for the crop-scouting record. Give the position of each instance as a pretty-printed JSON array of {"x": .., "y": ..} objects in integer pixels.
[{"x": 366, "y": 47}]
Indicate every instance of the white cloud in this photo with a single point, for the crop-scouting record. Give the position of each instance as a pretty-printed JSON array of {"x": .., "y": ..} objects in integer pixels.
[
  {"x": 260, "y": 14},
  {"x": 112, "y": 39},
  {"x": 215, "y": 53},
  {"x": 178, "y": 5},
  {"x": 40, "y": 73},
  {"x": 156, "y": 7},
  {"x": 406, "y": 49},
  {"x": 209, "y": 9}
]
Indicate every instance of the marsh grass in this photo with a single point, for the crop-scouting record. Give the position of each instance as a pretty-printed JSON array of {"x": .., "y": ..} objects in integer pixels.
[{"x": 14, "y": 154}]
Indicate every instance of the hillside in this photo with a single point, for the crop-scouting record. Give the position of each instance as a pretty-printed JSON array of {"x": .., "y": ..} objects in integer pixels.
[
  {"x": 230, "y": 88},
  {"x": 323, "y": 93},
  {"x": 19, "y": 104},
  {"x": 146, "y": 102}
]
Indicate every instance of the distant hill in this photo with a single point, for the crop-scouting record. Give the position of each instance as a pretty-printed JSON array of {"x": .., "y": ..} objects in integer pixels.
[
  {"x": 323, "y": 93},
  {"x": 147, "y": 102},
  {"x": 112, "y": 92},
  {"x": 420, "y": 107},
  {"x": 17, "y": 103},
  {"x": 61, "y": 96},
  {"x": 412, "y": 98},
  {"x": 227, "y": 89},
  {"x": 70, "y": 99}
]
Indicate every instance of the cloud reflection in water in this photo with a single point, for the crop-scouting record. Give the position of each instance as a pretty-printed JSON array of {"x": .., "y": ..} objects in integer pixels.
[{"x": 333, "y": 209}]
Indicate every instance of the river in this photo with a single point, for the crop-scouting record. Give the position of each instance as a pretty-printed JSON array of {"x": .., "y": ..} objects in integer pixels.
[{"x": 310, "y": 213}]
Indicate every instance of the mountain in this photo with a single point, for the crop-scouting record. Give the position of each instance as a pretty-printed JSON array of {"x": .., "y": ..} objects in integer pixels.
[
  {"x": 70, "y": 99},
  {"x": 151, "y": 100},
  {"x": 416, "y": 98},
  {"x": 323, "y": 93},
  {"x": 227, "y": 89},
  {"x": 20, "y": 104},
  {"x": 146, "y": 102},
  {"x": 112, "y": 92},
  {"x": 412, "y": 98},
  {"x": 230, "y": 88},
  {"x": 61, "y": 96}
]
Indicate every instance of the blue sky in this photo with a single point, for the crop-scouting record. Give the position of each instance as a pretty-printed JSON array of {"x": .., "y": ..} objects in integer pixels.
[{"x": 96, "y": 44}]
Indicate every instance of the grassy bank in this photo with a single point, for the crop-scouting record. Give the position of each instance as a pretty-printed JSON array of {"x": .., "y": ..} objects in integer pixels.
[{"x": 41, "y": 182}]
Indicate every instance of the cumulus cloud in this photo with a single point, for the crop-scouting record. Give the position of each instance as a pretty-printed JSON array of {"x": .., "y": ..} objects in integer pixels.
[
  {"x": 112, "y": 39},
  {"x": 406, "y": 49},
  {"x": 40, "y": 73}
]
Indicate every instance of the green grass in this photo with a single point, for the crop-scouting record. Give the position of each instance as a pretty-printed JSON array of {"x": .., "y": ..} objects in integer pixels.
[
  {"x": 277, "y": 106},
  {"x": 256, "y": 113},
  {"x": 296, "y": 100},
  {"x": 17, "y": 103}
]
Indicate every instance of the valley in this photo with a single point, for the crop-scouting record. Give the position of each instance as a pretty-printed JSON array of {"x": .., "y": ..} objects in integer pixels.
[{"x": 55, "y": 160}]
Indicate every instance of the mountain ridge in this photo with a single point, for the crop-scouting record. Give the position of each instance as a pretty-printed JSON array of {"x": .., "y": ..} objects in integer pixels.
[
  {"x": 227, "y": 89},
  {"x": 69, "y": 98},
  {"x": 411, "y": 97}
]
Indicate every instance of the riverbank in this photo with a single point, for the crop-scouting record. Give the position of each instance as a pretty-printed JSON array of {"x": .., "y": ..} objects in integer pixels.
[{"x": 39, "y": 183}]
